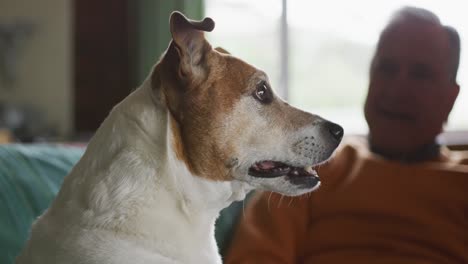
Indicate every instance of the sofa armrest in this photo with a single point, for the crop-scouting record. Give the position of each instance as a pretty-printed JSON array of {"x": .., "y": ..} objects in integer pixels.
[{"x": 30, "y": 177}]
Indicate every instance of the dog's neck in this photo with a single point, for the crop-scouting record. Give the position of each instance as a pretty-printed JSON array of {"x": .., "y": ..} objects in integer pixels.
[
  {"x": 163, "y": 199},
  {"x": 197, "y": 192}
]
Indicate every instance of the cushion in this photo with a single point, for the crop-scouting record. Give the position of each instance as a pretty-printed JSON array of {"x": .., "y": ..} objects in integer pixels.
[{"x": 30, "y": 177}]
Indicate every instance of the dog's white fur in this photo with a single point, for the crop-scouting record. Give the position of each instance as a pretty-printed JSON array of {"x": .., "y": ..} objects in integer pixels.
[
  {"x": 131, "y": 199},
  {"x": 139, "y": 204}
]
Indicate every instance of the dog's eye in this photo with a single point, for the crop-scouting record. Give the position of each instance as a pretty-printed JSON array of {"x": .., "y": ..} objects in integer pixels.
[{"x": 263, "y": 93}]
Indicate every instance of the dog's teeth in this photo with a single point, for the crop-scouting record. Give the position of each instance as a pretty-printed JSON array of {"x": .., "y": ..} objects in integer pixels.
[{"x": 309, "y": 169}]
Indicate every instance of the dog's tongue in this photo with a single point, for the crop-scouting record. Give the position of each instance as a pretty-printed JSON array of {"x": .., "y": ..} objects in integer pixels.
[{"x": 266, "y": 165}]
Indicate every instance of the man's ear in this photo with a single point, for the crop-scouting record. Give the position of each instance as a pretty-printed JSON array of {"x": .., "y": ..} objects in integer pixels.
[
  {"x": 190, "y": 43},
  {"x": 221, "y": 50},
  {"x": 453, "y": 91}
]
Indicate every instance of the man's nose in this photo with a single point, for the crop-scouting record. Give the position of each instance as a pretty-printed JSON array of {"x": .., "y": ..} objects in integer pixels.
[{"x": 400, "y": 87}]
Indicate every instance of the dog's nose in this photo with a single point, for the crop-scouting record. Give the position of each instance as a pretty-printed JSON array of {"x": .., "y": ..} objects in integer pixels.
[{"x": 335, "y": 130}]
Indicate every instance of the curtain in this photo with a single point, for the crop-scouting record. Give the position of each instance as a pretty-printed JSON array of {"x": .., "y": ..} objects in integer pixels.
[{"x": 152, "y": 29}]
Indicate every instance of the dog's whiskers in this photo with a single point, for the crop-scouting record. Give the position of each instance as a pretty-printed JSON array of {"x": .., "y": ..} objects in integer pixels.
[
  {"x": 268, "y": 203},
  {"x": 280, "y": 200},
  {"x": 243, "y": 209}
]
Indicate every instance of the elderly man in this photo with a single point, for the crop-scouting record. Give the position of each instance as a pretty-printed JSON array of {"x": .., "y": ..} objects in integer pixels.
[{"x": 397, "y": 197}]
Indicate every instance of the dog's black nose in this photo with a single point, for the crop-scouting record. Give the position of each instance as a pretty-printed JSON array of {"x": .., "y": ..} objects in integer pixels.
[{"x": 335, "y": 130}]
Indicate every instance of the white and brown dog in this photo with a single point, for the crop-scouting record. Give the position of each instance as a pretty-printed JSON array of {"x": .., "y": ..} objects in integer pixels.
[{"x": 202, "y": 130}]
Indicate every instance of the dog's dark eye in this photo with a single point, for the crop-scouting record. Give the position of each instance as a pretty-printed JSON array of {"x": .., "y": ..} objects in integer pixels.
[{"x": 263, "y": 93}]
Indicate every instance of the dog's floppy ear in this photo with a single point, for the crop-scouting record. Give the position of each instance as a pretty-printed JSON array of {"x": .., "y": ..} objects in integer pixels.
[
  {"x": 190, "y": 43},
  {"x": 221, "y": 50}
]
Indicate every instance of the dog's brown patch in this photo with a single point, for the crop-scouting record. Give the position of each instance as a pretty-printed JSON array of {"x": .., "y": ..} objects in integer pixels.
[
  {"x": 198, "y": 109},
  {"x": 200, "y": 87},
  {"x": 222, "y": 50},
  {"x": 177, "y": 143},
  {"x": 204, "y": 110}
]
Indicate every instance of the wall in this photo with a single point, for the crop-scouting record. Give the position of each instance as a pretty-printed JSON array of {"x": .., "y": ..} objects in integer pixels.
[{"x": 45, "y": 62}]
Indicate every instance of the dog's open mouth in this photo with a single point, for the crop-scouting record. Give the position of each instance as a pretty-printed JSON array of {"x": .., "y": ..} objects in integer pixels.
[
  {"x": 272, "y": 169},
  {"x": 303, "y": 177}
]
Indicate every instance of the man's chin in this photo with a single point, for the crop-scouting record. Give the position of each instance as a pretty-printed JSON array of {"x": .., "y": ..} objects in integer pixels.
[{"x": 396, "y": 142}]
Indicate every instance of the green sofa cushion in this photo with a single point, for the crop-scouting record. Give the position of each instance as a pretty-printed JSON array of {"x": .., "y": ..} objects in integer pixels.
[{"x": 30, "y": 177}]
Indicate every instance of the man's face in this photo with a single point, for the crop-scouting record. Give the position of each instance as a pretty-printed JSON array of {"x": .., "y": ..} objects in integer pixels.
[{"x": 411, "y": 92}]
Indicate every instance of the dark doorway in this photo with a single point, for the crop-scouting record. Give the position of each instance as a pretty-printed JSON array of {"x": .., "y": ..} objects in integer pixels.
[{"x": 102, "y": 59}]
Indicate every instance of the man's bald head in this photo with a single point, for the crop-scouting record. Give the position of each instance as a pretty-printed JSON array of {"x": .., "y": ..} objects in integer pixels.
[
  {"x": 414, "y": 15},
  {"x": 412, "y": 85}
]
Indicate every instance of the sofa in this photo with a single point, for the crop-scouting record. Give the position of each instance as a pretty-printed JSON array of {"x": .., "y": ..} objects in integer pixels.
[{"x": 30, "y": 177}]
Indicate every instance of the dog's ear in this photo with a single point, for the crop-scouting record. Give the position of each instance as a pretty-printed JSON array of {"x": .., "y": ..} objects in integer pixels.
[
  {"x": 190, "y": 43},
  {"x": 221, "y": 50}
]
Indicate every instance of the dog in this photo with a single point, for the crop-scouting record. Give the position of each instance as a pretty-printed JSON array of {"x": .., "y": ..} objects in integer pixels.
[{"x": 203, "y": 130}]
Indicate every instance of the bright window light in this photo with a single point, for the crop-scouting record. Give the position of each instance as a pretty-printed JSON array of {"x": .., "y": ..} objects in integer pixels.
[{"x": 330, "y": 47}]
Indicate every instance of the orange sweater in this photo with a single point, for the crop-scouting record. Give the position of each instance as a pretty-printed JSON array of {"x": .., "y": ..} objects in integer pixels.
[{"x": 368, "y": 210}]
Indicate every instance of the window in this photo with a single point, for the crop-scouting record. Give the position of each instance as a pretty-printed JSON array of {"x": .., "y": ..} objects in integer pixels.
[{"x": 330, "y": 45}]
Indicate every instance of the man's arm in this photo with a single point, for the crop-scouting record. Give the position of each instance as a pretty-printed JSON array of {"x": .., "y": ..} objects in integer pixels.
[{"x": 271, "y": 230}]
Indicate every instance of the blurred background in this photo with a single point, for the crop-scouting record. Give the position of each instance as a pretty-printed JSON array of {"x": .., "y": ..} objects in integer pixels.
[{"x": 65, "y": 63}]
